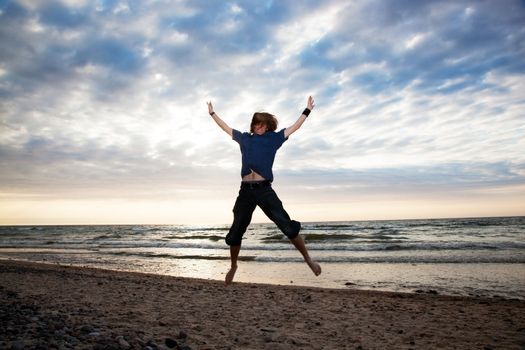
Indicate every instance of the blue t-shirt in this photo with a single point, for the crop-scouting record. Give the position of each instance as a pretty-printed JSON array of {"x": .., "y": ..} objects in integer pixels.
[{"x": 258, "y": 151}]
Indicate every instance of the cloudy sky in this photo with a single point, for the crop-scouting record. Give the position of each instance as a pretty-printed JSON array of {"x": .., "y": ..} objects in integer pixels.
[{"x": 420, "y": 108}]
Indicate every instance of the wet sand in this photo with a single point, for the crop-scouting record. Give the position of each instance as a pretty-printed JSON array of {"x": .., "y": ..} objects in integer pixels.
[{"x": 85, "y": 308}]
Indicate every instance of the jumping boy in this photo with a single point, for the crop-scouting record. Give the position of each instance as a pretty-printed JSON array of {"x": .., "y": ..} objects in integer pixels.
[{"x": 258, "y": 149}]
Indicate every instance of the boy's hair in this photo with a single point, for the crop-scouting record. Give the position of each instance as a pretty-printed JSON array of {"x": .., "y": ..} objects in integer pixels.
[{"x": 266, "y": 118}]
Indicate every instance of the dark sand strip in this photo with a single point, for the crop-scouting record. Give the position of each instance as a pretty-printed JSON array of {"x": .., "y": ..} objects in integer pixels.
[{"x": 85, "y": 308}]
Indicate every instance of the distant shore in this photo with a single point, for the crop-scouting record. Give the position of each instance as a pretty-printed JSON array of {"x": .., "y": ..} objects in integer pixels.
[{"x": 86, "y": 308}]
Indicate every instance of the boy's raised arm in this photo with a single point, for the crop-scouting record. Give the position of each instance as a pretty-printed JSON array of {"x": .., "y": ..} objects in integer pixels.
[
  {"x": 309, "y": 106},
  {"x": 219, "y": 121}
]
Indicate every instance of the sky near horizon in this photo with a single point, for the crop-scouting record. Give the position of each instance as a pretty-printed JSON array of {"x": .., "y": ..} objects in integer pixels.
[{"x": 420, "y": 108}]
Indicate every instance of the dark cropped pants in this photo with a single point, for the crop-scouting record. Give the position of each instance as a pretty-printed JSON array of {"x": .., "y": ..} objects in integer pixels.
[{"x": 266, "y": 198}]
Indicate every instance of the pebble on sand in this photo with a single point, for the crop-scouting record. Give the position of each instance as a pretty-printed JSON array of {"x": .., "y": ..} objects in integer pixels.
[{"x": 170, "y": 343}]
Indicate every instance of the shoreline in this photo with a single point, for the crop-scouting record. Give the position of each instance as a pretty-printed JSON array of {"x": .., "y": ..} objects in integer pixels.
[
  {"x": 96, "y": 307},
  {"x": 490, "y": 280}
]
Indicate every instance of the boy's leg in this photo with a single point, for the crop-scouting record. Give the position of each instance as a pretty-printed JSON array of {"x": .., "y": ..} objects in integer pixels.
[
  {"x": 298, "y": 242},
  {"x": 242, "y": 216},
  {"x": 234, "y": 254},
  {"x": 272, "y": 206}
]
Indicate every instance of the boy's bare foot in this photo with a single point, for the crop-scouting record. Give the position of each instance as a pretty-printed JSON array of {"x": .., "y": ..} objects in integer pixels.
[
  {"x": 230, "y": 275},
  {"x": 315, "y": 267}
]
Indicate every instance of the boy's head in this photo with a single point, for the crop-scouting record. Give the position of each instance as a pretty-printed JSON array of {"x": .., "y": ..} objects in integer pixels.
[{"x": 264, "y": 119}]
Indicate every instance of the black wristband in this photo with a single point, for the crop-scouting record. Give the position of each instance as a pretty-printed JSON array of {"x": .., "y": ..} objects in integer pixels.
[
  {"x": 306, "y": 112},
  {"x": 212, "y": 113}
]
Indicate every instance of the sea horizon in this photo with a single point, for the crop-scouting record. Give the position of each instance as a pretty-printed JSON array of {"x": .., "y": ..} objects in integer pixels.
[{"x": 260, "y": 222}]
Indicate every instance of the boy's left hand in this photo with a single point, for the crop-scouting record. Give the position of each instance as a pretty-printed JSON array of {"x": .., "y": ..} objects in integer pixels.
[
  {"x": 210, "y": 108},
  {"x": 311, "y": 103}
]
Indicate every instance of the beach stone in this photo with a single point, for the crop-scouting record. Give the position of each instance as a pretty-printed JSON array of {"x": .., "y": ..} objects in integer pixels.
[
  {"x": 299, "y": 325},
  {"x": 152, "y": 344},
  {"x": 60, "y": 333},
  {"x": 267, "y": 329},
  {"x": 122, "y": 342},
  {"x": 170, "y": 343},
  {"x": 182, "y": 335},
  {"x": 72, "y": 340},
  {"x": 18, "y": 345},
  {"x": 140, "y": 341},
  {"x": 87, "y": 329}
]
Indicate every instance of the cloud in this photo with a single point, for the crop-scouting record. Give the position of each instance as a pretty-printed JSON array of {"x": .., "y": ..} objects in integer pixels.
[
  {"x": 431, "y": 42},
  {"x": 409, "y": 94},
  {"x": 58, "y": 15}
]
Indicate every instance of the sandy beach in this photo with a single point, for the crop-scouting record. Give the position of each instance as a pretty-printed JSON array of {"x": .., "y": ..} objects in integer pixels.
[{"x": 53, "y": 306}]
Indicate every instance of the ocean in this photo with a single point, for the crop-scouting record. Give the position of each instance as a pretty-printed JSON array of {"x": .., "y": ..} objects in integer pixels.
[{"x": 470, "y": 256}]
